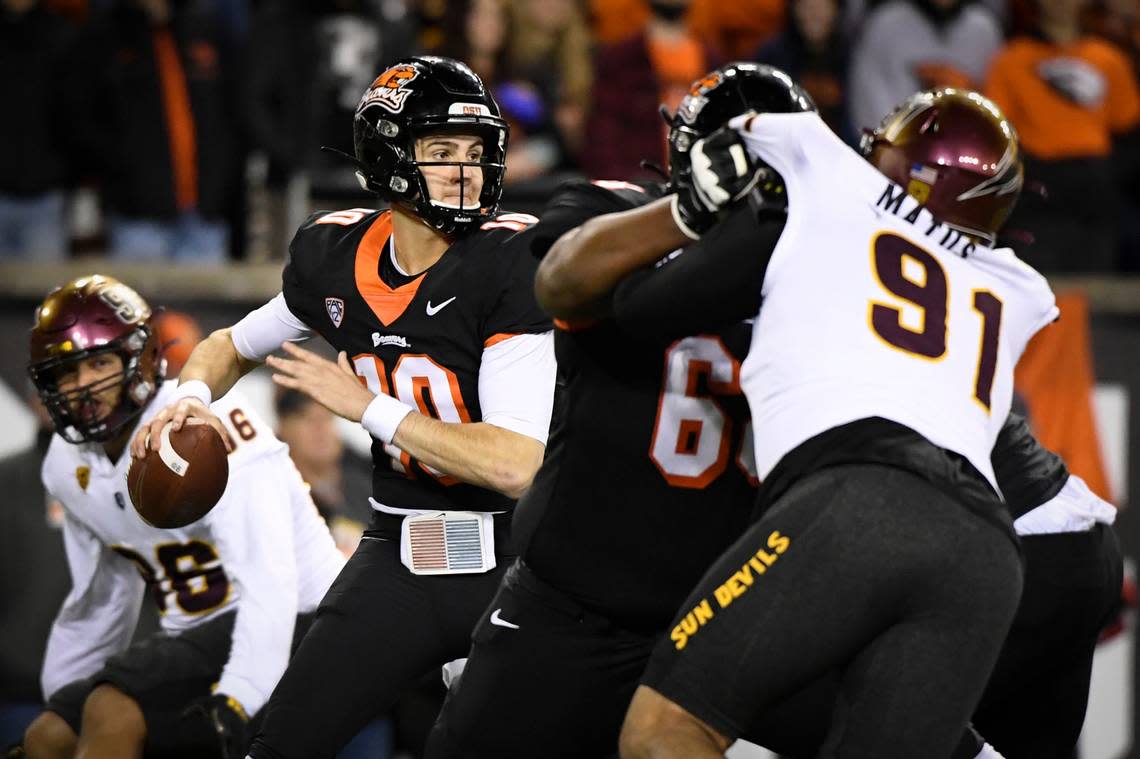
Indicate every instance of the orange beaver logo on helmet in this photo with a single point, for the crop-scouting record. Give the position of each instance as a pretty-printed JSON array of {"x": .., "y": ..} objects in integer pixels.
[
  {"x": 390, "y": 89},
  {"x": 705, "y": 83}
]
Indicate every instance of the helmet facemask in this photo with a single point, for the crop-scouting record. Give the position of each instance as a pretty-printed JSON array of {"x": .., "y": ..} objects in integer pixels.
[
  {"x": 408, "y": 187},
  {"x": 137, "y": 351},
  {"x": 415, "y": 98}
]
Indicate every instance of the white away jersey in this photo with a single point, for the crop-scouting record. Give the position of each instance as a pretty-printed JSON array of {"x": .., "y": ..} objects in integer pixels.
[
  {"x": 262, "y": 551},
  {"x": 874, "y": 308}
]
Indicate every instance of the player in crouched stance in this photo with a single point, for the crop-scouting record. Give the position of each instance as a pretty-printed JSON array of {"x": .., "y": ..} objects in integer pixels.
[{"x": 228, "y": 587}]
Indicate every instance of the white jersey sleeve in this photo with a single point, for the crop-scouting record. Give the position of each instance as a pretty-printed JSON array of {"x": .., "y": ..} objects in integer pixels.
[
  {"x": 516, "y": 384},
  {"x": 776, "y": 138},
  {"x": 100, "y": 612},
  {"x": 253, "y": 531},
  {"x": 263, "y": 330},
  {"x": 252, "y": 528}
]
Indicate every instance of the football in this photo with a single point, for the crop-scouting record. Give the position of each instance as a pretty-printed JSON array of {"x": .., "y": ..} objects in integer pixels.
[{"x": 180, "y": 482}]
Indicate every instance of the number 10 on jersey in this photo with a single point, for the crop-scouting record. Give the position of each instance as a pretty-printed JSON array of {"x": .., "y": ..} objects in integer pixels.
[
  {"x": 421, "y": 383},
  {"x": 912, "y": 274}
]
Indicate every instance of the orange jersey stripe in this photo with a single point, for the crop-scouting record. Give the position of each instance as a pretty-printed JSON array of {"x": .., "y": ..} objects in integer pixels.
[
  {"x": 179, "y": 120},
  {"x": 497, "y": 338},
  {"x": 386, "y": 302},
  {"x": 573, "y": 325}
]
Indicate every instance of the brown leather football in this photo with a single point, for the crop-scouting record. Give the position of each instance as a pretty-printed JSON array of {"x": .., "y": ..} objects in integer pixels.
[{"x": 179, "y": 483}]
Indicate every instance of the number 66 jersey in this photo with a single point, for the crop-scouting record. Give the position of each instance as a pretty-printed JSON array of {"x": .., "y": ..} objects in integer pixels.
[{"x": 874, "y": 308}]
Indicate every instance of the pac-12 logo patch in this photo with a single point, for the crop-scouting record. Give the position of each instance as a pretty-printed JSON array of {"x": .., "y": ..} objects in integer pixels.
[
  {"x": 83, "y": 476},
  {"x": 335, "y": 307},
  {"x": 390, "y": 89}
]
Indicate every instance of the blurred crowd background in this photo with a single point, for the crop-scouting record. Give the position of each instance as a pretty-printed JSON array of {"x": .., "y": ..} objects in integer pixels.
[
  {"x": 190, "y": 130},
  {"x": 176, "y": 144}
]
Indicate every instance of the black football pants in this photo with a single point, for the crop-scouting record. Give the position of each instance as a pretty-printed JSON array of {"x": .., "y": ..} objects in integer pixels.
[
  {"x": 545, "y": 677},
  {"x": 868, "y": 571},
  {"x": 378, "y": 629},
  {"x": 1034, "y": 705}
]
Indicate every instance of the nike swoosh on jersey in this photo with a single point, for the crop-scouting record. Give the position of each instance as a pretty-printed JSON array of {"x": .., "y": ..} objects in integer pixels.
[
  {"x": 498, "y": 620},
  {"x": 433, "y": 310}
]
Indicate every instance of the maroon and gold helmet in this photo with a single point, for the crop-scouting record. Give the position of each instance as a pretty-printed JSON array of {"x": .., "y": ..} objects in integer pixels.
[
  {"x": 955, "y": 153},
  {"x": 90, "y": 315}
]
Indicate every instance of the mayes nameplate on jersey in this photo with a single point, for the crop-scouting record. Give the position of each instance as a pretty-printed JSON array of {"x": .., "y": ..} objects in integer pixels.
[{"x": 874, "y": 308}]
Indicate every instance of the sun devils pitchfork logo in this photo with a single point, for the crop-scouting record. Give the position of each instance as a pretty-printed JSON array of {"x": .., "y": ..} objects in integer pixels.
[{"x": 391, "y": 88}]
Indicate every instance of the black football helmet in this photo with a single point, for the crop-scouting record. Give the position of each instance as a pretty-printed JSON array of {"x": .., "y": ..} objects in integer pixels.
[
  {"x": 723, "y": 93},
  {"x": 419, "y": 96}
]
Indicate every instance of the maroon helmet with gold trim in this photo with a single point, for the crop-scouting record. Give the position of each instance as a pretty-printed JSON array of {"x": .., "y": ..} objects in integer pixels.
[
  {"x": 955, "y": 153},
  {"x": 90, "y": 315}
]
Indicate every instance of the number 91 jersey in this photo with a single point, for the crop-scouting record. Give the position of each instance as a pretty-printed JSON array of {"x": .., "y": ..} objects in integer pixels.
[{"x": 874, "y": 308}]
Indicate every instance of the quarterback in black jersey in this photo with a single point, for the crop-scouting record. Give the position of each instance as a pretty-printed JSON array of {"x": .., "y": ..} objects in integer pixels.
[{"x": 444, "y": 357}]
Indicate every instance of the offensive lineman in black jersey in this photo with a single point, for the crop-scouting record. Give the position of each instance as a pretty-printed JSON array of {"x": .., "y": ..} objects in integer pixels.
[
  {"x": 640, "y": 485},
  {"x": 646, "y": 480},
  {"x": 445, "y": 358}
]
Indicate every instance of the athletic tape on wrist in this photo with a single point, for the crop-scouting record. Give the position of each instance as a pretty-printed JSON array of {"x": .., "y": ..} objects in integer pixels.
[
  {"x": 194, "y": 389},
  {"x": 383, "y": 416}
]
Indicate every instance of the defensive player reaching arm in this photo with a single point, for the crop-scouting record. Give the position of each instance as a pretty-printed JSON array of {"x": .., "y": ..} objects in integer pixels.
[
  {"x": 228, "y": 587},
  {"x": 860, "y": 439},
  {"x": 1054, "y": 514},
  {"x": 444, "y": 357},
  {"x": 579, "y": 273}
]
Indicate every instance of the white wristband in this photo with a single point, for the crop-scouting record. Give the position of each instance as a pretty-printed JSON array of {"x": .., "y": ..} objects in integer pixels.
[
  {"x": 194, "y": 389},
  {"x": 383, "y": 416}
]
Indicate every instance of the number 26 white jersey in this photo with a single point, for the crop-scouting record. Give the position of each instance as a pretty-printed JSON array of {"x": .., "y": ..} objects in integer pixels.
[{"x": 874, "y": 308}]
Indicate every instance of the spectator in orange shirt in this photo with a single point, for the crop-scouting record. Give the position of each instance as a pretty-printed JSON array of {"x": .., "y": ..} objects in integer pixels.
[{"x": 1074, "y": 101}]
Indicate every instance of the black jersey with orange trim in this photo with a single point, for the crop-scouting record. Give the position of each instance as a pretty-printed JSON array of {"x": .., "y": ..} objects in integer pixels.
[
  {"x": 644, "y": 481},
  {"x": 419, "y": 338}
]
